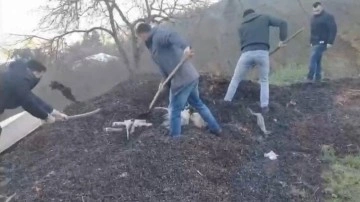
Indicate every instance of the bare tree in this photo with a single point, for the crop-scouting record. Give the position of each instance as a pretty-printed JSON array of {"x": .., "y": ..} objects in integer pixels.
[
  {"x": 117, "y": 18},
  {"x": 302, "y": 7}
]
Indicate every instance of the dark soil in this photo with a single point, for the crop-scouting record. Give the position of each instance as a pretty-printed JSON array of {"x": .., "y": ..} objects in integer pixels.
[{"x": 77, "y": 161}]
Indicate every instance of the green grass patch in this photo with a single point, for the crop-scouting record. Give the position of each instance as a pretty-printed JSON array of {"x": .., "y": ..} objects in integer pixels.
[
  {"x": 342, "y": 179},
  {"x": 290, "y": 74}
]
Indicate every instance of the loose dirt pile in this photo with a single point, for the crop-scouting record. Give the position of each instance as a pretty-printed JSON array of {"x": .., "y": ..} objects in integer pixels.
[{"x": 77, "y": 161}]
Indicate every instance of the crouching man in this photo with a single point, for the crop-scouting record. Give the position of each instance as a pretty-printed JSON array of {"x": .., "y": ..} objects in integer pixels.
[
  {"x": 16, "y": 84},
  {"x": 167, "y": 49}
]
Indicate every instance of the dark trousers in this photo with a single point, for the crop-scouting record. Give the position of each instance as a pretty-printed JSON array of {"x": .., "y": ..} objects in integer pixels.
[{"x": 315, "y": 68}]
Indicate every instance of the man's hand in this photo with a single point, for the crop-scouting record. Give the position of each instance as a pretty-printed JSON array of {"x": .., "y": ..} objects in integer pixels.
[
  {"x": 59, "y": 116},
  {"x": 161, "y": 86},
  {"x": 188, "y": 53},
  {"x": 328, "y": 45},
  {"x": 282, "y": 44},
  {"x": 50, "y": 119}
]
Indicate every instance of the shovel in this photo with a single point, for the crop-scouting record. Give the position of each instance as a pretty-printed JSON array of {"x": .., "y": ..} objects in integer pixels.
[
  {"x": 287, "y": 40},
  {"x": 79, "y": 116},
  {"x": 161, "y": 87}
]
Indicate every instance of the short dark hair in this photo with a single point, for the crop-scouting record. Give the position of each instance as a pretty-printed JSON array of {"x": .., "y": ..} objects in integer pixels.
[
  {"x": 143, "y": 28},
  {"x": 316, "y": 4},
  {"x": 248, "y": 11},
  {"x": 35, "y": 66}
]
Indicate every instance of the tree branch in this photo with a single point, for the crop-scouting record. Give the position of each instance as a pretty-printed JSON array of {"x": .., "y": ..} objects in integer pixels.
[
  {"x": 148, "y": 8},
  {"x": 65, "y": 34},
  {"x": 121, "y": 13}
]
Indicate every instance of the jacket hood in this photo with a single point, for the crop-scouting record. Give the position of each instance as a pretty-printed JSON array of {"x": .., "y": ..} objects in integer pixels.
[{"x": 250, "y": 17}]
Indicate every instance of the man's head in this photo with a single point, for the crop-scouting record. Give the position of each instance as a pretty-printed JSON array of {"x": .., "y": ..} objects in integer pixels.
[
  {"x": 36, "y": 68},
  {"x": 248, "y": 11},
  {"x": 317, "y": 8},
  {"x": 143, "y": 31}
]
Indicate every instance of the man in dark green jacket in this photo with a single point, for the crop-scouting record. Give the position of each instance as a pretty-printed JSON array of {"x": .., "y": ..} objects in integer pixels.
[{"x": 254, "y": 37}]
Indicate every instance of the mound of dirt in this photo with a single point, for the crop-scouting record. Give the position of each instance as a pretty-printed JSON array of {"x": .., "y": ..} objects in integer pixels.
[{"x": 77, "y": 161}]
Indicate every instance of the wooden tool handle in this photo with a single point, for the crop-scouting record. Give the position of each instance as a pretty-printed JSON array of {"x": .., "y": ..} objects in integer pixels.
[
  {"x": 182, "y": 61},
  {"x": 287, "y": 40},
  {"x": 84, "y": 115},
  {"x": 171, "y": 75}
]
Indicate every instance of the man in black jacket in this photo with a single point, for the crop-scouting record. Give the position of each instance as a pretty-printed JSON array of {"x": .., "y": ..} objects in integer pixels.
[
  {"x": 15, "y": 90},
  {"x": 254, "y": 36},
  {"x": 323, "y": 33}
]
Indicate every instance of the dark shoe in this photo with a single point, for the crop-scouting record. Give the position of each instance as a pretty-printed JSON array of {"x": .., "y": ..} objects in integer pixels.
[
  {"x": 265, "y": 110},
  {"x": 217, "y": 133},
  {"x": 320, "y": 80},
  {"x": 307, "y": 80}
]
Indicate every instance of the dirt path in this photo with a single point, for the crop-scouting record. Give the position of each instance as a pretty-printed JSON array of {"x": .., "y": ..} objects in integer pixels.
[{"x": 79, "y": 162}]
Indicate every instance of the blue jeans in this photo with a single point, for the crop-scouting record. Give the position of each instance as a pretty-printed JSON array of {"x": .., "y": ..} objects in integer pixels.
[
  {"x": 189, "y": 94},
  {"x": 249, "y": 59},
  {"x": 317, "y": 52}
]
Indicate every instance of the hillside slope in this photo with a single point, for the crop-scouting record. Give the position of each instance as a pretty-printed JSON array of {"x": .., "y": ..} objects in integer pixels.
[{"x": 213, "y": 33}]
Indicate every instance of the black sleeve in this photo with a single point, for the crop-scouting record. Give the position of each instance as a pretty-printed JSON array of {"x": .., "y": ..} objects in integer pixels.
[
  {"x": 332, "y": 29},
  {"x": 44, "y": 105},
  {"x": 281, "y": 24},
  {"x": 30, "y": 102},
  {"x": 35, "y": 106}
]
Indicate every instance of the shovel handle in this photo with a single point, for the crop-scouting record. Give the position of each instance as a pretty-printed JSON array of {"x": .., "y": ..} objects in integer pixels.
[
  {"x": 84, "y": 115},
  {"x": 287, "y": 40},
  {"x": 171, "y": 75}
]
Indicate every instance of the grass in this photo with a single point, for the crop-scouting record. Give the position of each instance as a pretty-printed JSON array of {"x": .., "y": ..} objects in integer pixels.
[
  {"x": 342, "y": 179},
  {"x": 288, "y": 75}
]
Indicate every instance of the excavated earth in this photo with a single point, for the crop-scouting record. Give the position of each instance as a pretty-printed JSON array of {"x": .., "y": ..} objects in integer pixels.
[{"x": 78, "y": 161}]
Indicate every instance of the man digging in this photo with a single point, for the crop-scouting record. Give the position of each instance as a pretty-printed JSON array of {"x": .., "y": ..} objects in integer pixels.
[
  {"x": 167, "y": 49},
  {"x": 15, "y": 91},
  {"x": 254, "y": 36}
]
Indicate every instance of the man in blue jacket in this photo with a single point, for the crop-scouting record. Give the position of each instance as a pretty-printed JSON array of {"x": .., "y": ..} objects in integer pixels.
[
  {"x": 167, "y": 49},
  {"x": 254, "y": 37},
  {"x": 323, "y": 33},
  {"x": 16, "y": 84}
]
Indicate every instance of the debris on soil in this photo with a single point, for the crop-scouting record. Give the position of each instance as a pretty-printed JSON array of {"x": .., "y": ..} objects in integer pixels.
[
  {"x": 91, "y": 165},
  {"x": 130, "y": 125},
  {"x": 271, "y": 155},
  {"x": 260, "y": 122},
  {"x": 66, "y": 91}
]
